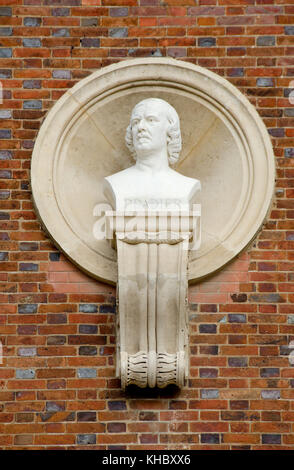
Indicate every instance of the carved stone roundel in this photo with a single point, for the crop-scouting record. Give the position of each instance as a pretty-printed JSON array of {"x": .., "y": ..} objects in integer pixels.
[{"x": 225, "y": 146}]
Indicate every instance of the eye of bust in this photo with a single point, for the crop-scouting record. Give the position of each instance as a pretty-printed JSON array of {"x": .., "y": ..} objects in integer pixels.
[{"x": 152, "y": 118}]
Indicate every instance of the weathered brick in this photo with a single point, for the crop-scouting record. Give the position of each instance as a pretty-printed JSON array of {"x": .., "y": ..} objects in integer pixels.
[
  {"x": 32, "y": 84},
  {"x": 266, "y": 41},
  {"x": 27, "y": 308},
  {"x": 116, "y": 427},
  {"x": 107, "y": 309},
  {"x": 32, "y": 21},
  {"x": 269, "y": 372},
  {"x": 118, "y": 32},
  {"x": 206, "y": 42},
  {"x": 31, "y": 42},
  {"x": 265, "y": 82},
  {"x": 5, "y": 31},
  {"x": 3, "y": 256},
  {"x": 210, "y": 438},
  {"x": 237, "y": 318},
  {"x": 61, "y": 74},
  {"x": 89, "y": 22},
  {"x": 238, "y": 394},
  {"x": 209, "y": 394},
  {"x": 119, "y": 11},
  {"x": 117, "y": 405},
  {"x": 209, "y": 328},
  {"x": 5, "y": 73},
  {"x": 5, "y": 174},
  {"x": 88, "y": 329},
  {"x": 24, "y": 374},
  {"x": 27, "y": 352},
  {"x": 86, "y": 416},
  {"x": 60, "y": 12},
  {"x": 28, "y": 267},
  {"x": 209, "y": 373},
  {"x": 87, "y": 350},
  {"x": 5, "y": 52},
  {"x": 5, "y": 11},
  {"x": 61, "y": 33},
  {"x": 32, "y": 104},
  {"x": 271, "y": 394},
  {"x": 54, "y": 406},
  {"x": 238, "y": 362},
  {"x": 271, "y": 439},
  {"x": 86, "y": 439},
  {"x": 86, "y": 373}
]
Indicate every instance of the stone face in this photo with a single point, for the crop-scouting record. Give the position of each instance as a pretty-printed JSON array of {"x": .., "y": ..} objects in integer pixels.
[{"x": 237, "y": 177}]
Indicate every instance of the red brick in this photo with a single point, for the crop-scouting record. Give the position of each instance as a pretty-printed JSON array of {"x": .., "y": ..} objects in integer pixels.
[{"x": 58, "y": 288}]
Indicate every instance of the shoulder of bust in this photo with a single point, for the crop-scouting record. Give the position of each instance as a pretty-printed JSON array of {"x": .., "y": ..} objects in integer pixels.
[
  {"x": 187, "y": 181},
  {"x": 119, "y": 177}
]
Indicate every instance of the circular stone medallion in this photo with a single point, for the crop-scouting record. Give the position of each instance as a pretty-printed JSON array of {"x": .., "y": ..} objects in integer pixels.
[{"x": 225, "y": 145}]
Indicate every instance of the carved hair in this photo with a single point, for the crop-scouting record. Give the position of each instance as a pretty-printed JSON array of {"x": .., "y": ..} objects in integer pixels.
[{"x": 174, "y": 140}]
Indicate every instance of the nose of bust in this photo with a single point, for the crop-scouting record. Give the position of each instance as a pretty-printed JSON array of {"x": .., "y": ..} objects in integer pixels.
[{"x": 141, "y": 124}]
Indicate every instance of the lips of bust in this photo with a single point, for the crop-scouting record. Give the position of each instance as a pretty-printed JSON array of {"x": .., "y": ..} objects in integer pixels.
[{"x": 143, "y": 137}]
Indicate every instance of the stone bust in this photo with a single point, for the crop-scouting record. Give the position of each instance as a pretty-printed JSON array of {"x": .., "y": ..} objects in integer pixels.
[
  {"x": 154, "y": 139},
  {"x": 152, "y": 270}
]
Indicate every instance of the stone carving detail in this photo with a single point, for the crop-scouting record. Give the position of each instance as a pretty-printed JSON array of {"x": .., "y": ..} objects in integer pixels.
[
  {"x": 151, "y": 227},
  {"x": 226, "y": 145}
]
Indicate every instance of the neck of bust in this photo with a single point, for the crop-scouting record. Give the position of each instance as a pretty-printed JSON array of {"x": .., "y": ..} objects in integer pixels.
[{"x": 153, "y": 161}]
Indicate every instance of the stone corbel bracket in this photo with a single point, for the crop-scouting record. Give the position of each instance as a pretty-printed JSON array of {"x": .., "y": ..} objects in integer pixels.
[{"x": 152, "y": 343}]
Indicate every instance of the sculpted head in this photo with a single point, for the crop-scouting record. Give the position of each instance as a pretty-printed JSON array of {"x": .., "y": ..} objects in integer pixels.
[{"x": 154, "y": 125}]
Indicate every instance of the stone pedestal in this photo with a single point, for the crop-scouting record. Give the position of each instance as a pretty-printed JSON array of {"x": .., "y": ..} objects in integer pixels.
[{"x": 152, "y": 250}]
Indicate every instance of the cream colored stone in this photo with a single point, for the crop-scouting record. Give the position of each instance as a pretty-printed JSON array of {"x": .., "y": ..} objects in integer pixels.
[
  {"x": 152, "y": 333},
  {"x": 225, "y": 146},
  {"x": 152, "y": 249}
]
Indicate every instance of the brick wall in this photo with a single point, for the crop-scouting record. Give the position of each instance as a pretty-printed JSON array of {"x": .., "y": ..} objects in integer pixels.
[{"x": 57, "y": 380}]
